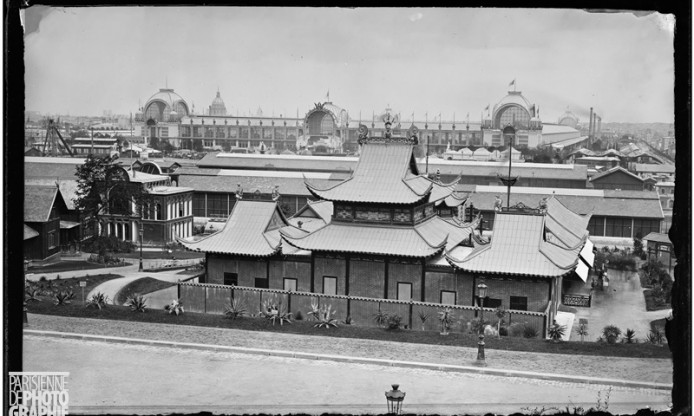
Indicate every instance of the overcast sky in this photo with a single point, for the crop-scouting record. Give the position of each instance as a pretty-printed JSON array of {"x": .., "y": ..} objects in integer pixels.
[{"x": 83, "y": 61}]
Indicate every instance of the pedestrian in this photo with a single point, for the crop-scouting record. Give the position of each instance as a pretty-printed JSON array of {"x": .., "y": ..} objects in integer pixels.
[
  {"x": 605, "y": 283},
  {"x": 592, "y": 284}
]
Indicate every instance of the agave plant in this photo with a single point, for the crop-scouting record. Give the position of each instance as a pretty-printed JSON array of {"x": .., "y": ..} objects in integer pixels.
[
  {"x": 98, "y": 300},
  {"x": 137, "y": 303},
  {"x": 381, "y": 318},
  {"x": 655, "y": 337},
  {"x": 175, "y": 307},
  {"x": 556, "y": 332},
  {"x": 326, "y": 317},
  {"x": 32, "y": 293},
  {"x": 315, "y": 310},
  {"x": 235, "y": 309},
  {"x": 64, "y": 297},
  {"x": 274, "y": 311}
]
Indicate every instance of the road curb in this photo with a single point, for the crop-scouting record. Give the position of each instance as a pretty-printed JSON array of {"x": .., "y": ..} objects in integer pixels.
[{"x": 357, "y": 360}]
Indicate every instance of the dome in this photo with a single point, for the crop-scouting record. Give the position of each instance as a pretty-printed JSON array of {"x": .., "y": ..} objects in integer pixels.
[
  {"x": 568, "y": 119},
  {"x": 513, "y": 97},
  {"x": 217, "y": 108},
  {"x": 513, "y": 110},
  {"x": 339, "y": 114},
  {"x": 160, "y": 106}
]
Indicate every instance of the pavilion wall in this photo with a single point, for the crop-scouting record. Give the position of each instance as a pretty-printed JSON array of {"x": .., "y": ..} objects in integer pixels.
[
  {"x": 367, "y": 277},
  {"x": 330, "y": 266}
]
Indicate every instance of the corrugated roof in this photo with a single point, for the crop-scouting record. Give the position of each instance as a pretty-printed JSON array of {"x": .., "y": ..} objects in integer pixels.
[
  {"x": 288, "y": 186},
  {"x": 653, "y": 168},
  {"x": 369, "y": 239},
  {"x": 386, "y": 173},
  {"x": 29, "y": 232},
  {"x": 436, "y": 228},
  {"x": 658, "y": 237},
  {"x": 38, "y": 202},
  {"x": 51, "y": 170},
  {"x": 613, "y": 171},
  {"x": 610, "y": 203},
  {"x": 68, "y": 188},
  {"x": 517, "y": 248},
  {"x": 246, "y": 231}
]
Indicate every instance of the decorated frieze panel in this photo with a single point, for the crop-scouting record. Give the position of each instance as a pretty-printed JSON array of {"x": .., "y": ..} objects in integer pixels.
[
  {"x": 343, "y": 213},
  {"x": 428, "y": 211},
  {"x": 402, "y": 215},
  {"x": 419, "y": 213}
]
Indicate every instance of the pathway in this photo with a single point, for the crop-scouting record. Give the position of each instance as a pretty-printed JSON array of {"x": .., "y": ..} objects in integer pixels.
[
  {"x": 622, "y": 304},
  {"x": 111, "y": 288}
]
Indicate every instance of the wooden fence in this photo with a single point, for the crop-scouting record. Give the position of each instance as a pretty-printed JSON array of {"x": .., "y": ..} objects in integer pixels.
[{"x": 211, "y": 298}]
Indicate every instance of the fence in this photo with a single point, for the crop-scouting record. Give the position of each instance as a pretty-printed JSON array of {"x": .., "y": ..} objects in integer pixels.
[
  {"x": 211, "y": 298},
  {"x": 157, "y": 264}
]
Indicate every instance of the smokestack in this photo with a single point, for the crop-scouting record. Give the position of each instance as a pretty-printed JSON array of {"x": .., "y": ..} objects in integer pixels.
[
  {"x": 590, "y": 125},
  {"x": 599, "y": 125}
]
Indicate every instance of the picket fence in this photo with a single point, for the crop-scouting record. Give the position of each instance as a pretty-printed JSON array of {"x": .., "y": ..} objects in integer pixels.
[{"x": 213, "y": 299}]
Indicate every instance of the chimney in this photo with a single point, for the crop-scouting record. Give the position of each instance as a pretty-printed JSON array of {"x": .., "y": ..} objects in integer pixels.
[{"x": 590, "y": 125}]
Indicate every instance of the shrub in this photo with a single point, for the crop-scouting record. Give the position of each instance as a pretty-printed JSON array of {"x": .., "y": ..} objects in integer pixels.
[
  {"x": 516, "y": 329},
  {"x": 98, "y": 300},
  {"x": 582, "y": 330},
  {"x": 64, "y": 297},
  {"x": 629, "y": 336},
  {"x": 235, "y": 309},
  {"x": 175, "y": 307},
  {"x": 611, "y": 333},
  {"x": 325, "y": 317},
  {"x": 503, "y": 331},
  {"x": 394, "y": 321},
  {"x": 137, "y": 303},
  {"x": 423, "y": 316},
  {"x": 655, "y": 337},
  {"x": 477, "y": 326},
  {"x": 530, "y": 331},
  {"x": 446, "y": 318},
  {"x": 298, "y": 316},
  {"x": 556, "y": 332},
  {"x": 381, "y": 318},
  {"x": 274, "y": 311}
]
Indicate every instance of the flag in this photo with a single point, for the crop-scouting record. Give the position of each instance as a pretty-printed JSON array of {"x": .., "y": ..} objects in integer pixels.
[
  {"x": 512, "y": 83},
  {"x": 327, "y": 96},
  {"x": 486, "y": 108}
]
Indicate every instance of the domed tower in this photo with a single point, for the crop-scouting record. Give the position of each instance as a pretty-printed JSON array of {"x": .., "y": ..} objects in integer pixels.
[
  {"x": 515, "y": 111},
  {"x": 217, "y": 108},
  {"x": 161, "y": 116},
  {"x": 568, "y": 119},
  {"x": 326, "y": 128}
]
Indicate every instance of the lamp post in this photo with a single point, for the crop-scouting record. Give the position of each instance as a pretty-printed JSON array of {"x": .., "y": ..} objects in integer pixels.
[
  {"x": 481, "y": 293},
  {"x": 140, "y": 232},
  {"x": 394, "y": 399},
  {"x": 26, "y": 268}
]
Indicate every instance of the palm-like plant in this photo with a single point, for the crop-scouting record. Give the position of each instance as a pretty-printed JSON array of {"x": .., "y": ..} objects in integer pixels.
[
  {"x": 611, "y": 333},
  {"x": 655, "y": 337},
  {"x": 423, "y": 316},
  {"x": 98, "y": 300},
  {"x": 274, "y": 311},
  {"x": 137, "y": 303},
  {"x": 381, "y": 318},
  {"x": 446, "y": 318},
  {"x": 556, "y": 332},
  {"x": 235, "y": 309},
  {"x": 326, "y": 317},
  {"x": 175, "y": 307},
  {"x": 32, "y": 293},
  {"x": 582, "y": 330},
  {"x": 630, "y": 336}
]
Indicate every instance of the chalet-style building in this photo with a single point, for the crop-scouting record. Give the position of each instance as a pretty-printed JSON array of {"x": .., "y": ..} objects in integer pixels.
[
  {"x": 617, "y": 178},
  {"x": 42, "y": 225},
  {"x": 384, "y": 238}
]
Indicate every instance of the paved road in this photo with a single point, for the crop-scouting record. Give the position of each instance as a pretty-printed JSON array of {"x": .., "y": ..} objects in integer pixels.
[
  {"x": 622, "y": 304},
  {"x": 108, "y": 377},
  {"x": 111, "y": 288}
]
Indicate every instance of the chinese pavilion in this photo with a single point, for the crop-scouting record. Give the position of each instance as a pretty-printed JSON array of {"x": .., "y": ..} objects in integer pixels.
[{"x": 395, "y": 233}]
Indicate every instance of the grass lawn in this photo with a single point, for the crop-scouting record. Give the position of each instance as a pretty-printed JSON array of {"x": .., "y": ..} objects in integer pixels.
[
  {"x": 142, "y": 287},
  {"x": 123, "y": 313},
  {"x": 72, "y": 284},
  {"x": 68, "y": 265}
]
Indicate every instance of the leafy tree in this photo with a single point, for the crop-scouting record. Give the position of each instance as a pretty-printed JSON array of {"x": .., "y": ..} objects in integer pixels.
[
  {"x": 103, "y": 188},
  {"x": 638, "y": 245}
]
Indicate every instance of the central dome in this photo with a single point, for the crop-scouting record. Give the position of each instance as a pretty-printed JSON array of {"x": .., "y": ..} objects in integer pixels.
[
  {"x": 160, "y": 106},
  {"x": 217, "y": 108}
]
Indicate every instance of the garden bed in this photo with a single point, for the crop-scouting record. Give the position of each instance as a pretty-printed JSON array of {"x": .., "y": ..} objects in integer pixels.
[
  {"x": 70, "y": 284},
  {"x": 159, "y": 254},
  {"x": 122, "y": 313},
  {"x": 652, "y": 303},
  {"x": 141, "y": 286}
]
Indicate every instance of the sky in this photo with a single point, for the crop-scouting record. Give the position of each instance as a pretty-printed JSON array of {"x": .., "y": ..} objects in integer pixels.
[{"x": 422, "y": 61}]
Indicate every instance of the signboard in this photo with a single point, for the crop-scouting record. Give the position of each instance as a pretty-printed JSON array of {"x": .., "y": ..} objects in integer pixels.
[
  {"x": 663, "y": 247},
  {"x": 83, "y": 284},
  {"x": 577, "y": 300}
]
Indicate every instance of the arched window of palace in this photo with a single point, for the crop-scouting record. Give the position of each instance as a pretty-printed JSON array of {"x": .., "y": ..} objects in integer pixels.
[
  {"x": 513, "y": 115},
  {"x": 321, "y": 123}
]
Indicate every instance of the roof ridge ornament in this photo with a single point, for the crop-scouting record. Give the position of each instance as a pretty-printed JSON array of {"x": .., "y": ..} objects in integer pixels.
[
  {"x": 413, "y": 134},
  {"x": 363, "y": 133}
]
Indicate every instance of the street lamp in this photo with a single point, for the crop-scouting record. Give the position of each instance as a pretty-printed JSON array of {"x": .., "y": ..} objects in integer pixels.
[
  {"x": 140, "y": 232},
  {"x": 394, "y": 399},
  {"x": 481, "y": 293}
]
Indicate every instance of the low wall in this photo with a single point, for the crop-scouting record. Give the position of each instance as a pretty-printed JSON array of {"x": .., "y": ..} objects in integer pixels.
[{"x": 211, "y": 298}]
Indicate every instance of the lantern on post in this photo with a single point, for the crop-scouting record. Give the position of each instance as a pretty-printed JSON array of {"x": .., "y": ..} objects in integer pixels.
[
  {"x": 394, "y": 399},
  {"x": 481, "y": 293}
]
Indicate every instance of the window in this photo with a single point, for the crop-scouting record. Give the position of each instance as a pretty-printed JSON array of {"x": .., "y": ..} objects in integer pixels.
[
  {"x": 207, "y": 143},
  {"x": 157, "y": 212},
  {"x": 448, "y": 297},
  {"x": 618, "y": 227},
  {"x": 164, "y": 132},
  {"x": 262, "y": 283},
  {"x": 330, "y": 285},
  {"x": 199, "y": 205},
  {"x": 290, "y": 284},
  {"x": 51, "y": 239},
  {"x": 491, "y": 302},
  {"x": 231, "y": 279},
  {"x": 519, "y": 303},
  {"x": 596, "y": 226},
  {"x": 404, "y": 291},
  {"x": 180, "y": 209},
  {"x": 217, "y": 205}
]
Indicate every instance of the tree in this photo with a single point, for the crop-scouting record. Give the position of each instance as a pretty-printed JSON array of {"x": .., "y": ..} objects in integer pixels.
[
  {"x": 104, "y": 188},
  {"x": 638, "y": 244}
]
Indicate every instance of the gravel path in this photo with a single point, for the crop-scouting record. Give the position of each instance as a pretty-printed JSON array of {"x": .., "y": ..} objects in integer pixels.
[{"x": 632, "y": 369}]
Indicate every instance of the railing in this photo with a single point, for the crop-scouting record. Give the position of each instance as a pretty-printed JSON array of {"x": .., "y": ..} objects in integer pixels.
[
  {"x": 168, "y": 264},
  {"x": 214, "y": 298}
]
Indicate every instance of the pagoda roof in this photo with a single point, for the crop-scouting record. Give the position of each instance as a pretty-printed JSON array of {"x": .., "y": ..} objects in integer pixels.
[
  {"x": 386, "y": 173},
  {"x": 252, "y": 229},
  {"x": 569, "y": 228},
  {"x": 518, "y": 248}
]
